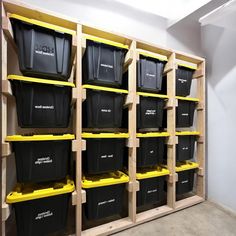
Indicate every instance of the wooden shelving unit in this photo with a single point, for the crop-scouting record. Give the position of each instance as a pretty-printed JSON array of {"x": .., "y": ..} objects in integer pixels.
[{"x": 132, "y": 99}]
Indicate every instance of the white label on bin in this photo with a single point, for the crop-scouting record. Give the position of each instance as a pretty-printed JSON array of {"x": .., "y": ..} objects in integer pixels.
[
  {"x": 184, "y": 182},
  {"x": 106, "y": 156},
  {"x": 184, "y": 114},
  {"x": 107, "y": 202},
  {"x": 44, "y": 215},
  {"x": 150, "y": 112},
  {"x": 43, "y": 160},
  {"x": 150, "y": 75},
  {"x": 182, "y": 80},
  {"x": 151, "y": 152},
  {"x": 106, "y": 65},
  {"x": 152, "y": 191},
  {"x": 44, "y": 50},
  {"x": 184, "y": 148},
  {"x": 106, "y": 110},
  {"x": 44, "y": 107}
]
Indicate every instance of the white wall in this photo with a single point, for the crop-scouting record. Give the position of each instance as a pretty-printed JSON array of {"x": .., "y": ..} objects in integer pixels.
[{"x": 219, "y": 48}]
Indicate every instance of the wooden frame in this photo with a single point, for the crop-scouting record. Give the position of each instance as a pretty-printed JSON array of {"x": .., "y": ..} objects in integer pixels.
[{"x": 79, "y": 94}]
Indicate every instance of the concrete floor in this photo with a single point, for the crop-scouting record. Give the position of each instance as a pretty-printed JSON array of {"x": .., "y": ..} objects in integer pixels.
[{"x": 204, "y": 219}]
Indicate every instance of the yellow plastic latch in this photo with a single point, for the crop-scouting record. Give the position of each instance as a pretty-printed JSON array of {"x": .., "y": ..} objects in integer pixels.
[
  {"x": 188, "y": 99},
  {"x": 105, "y": 41},
  {"x": 102, "y": 180},
  {"x": 105, "y": 135},
  {"x": 182, "y": 133},
  {"x": 43, "y": 24},
  {"x": 41, "y": 81},
  {"x": 27, "y": 192},
  {"x": 47, "y": 137},
  {"x": 152, "y": 172},
  {"x": 100, "y": 88},
  {"x": 152, "y": 134},
  {"x": 152, "y": 95},
  {"x": 187, "y": 165}
]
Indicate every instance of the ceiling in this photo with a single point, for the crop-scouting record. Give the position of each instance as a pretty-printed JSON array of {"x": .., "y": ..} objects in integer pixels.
[{"x": 173, "y": 10}]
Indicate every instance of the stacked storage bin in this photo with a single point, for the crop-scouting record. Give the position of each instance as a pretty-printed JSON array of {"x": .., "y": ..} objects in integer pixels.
[
  {"x": 43, "y": 100},
  {"x": 186, "y": 139},
  {"x": 103, "y": 159},
  {"x": 150, "y": 153}
]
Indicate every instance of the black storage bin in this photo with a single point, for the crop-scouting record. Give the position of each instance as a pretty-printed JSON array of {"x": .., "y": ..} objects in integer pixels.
[
  {"x": 104, "y": 194},
  {"x": 42, "y": 103},
  {"x": 41, "y": 158},
  {"x": 151, "y": 186},
  {"x": 149, "y": 74},
  {"x": 103, "y": 109},
  {"x": 185, "y": 147},
  {"x": 103, "y": 64},
  {"x": 184, "y": 77},
  {"x": 185, "y": 113},
  {"x": 44, "y": 50},
  {"x": 43, "y": 210},
  {"x": 150, "y": 151},
  {"x": 104, "y": 152},
  {"x": 185, "y": 177},
  {"x": 150, "y": 112}
]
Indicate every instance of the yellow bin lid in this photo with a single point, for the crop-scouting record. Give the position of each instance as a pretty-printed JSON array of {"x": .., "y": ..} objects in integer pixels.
[
  {"x": 105, "y": 135},
  {"x": 43, "y": 24},
  {"x": 41, "y": 81},
  {"x": 183, "y": 133},
  {"x": 152, "y": 172},
  {"x": 188, "y": 165},
  {"x": 102, "y": 180},
  {"x": 105, "y": 41},
  {"x": 101, "y": 88},
  {"x": 27, "y": 192},
  {"x": 47, "y": 137},
  {"x": 187, "y": 99},
  {"x": 155, "y": 95},
  {"x": 152, "y": 134}
]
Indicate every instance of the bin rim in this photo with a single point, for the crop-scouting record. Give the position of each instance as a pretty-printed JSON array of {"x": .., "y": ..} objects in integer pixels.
[
  {"x": 152, "y": 134},
  {"x": 152, "y": 173},
  {"x": 188, "y": 99},
  {"x": 44, "y": 137},
  {"x": 27, "y": 192},
  {"x": 152, "y": 55},
  {"x": 107, "y": 89},
  {"x": 103, "y": 180},
  {"x": 105, "y": 41},
  {"x": 152, "y": 95},
  {"x": 192, "y": 67},
  {"x": 42, "y": 81},
  {"x": 187, "y": 165},
  {"x": 105, "y": 135},
  {"x": 43, "y": 24},
  {"x": 182, "y": 133}
]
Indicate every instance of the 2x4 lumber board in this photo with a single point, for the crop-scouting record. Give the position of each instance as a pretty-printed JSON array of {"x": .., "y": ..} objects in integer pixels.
[
  {"x": 188, "y": 57},
  {"x": 109, "y": 228},
  {"x": 6, "y": 211},
  {"x": 132, "y": 132},
  {"x": 78, "y": 130},
  {"x": 171, "y": 130},
  {"x": 153, "y": 214},
  {"x": 187, "y": 202},
  {"x": 201, "y": 128},
  {"x": 6, "y": 88},
  {"x": 32, "y": 11}
]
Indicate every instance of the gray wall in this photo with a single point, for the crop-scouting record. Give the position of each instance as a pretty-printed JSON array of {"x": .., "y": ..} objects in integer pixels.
[{"x": 219, "y": 48}]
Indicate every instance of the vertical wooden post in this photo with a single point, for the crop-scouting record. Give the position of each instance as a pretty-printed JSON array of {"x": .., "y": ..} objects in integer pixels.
[
  {"x": 78, "y": 130},
  {"x": 171, "y": 124},
  {"x": 201, "y": 128},
  {"x": 132, "y": 132}
]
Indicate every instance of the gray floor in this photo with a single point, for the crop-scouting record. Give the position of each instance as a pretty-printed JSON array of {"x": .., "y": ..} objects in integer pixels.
[{"x": 205, "y": 219}]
